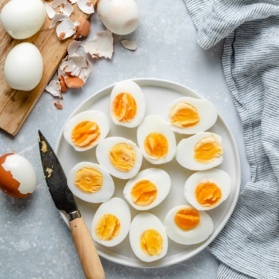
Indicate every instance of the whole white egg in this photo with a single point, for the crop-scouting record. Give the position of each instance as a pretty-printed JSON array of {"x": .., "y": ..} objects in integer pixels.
[
  {"x": 187, "y": 225},
  {"x": 127, "y": 104},
  {"x": 23, "y": 68},
  {"x": 22, "y": 19},
  {"x": 111, "y": 222},
  {"x": 148, "y": 237},
  {"x": 119, "y": 16},
  {"x": 206, "y": 190},
  {"x": 120, "y": 156},
  {"x": 17, "y": 175},
  {"x": 147, "y": 189},
  {"x": 90, "y": 182},
  {"x": 200, "y": 152},
  {"x": 86, "y": 129},
  {"x": 156, "y": 140},
  {"x": 191, "y": 115}
]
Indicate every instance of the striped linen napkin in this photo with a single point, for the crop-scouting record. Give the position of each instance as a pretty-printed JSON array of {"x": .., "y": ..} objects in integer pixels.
[{"x": 248, "y": 246}]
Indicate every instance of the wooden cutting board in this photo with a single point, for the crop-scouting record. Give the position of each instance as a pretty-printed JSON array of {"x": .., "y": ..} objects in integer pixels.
[{"x": 16, "y": 105}]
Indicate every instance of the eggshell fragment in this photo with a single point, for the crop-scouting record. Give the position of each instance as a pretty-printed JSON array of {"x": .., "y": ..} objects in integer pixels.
[
  {"x": 65, "y": 29},
  {"x": 101, "y": 45},
  {"x": 49, "y": 10},
  {"x": 74, "y": 82},
  {"x": 73, "y": 46},
  {"x": 131, "y": 45},
  {"x": 54, "y": 88},
  {"x": 66, "y": 9},
  {"x": 17, "y": 176},
  {"x": 82, "y": 28},
  {"x": 86, "y": 6},
  {"x": 57, "y": 18}
]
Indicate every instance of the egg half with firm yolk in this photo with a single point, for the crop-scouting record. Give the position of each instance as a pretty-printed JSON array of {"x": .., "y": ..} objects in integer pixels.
[
  {"x": 127, "y": 104},
  {"x": 156, "y": 140},
  {"x": 86, "y": 129},
  {"x": 148, "y": 238},
  {"x": 187, "y": 225},
  {"x": 191, "y": 115},
  {"x": 111, "y": 222},
  {"x": 200, "y": 152},
  {"x": 147, "y": 189},
  {"x": 90, "y": 182},
  {"x": 207, "y": 189},
  {"x": 120, "y": 156}
]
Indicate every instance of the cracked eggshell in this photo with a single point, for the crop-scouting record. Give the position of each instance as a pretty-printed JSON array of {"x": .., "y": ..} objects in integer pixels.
[
  {"x": 119, "y": 16},
  {"x": 17, "y": 176},
  {"x": 23, "y": 67},
  {"x": 100, "y": 46},
  {"x": 65, "y": 29},
  {"x": 23, "y": 19}
]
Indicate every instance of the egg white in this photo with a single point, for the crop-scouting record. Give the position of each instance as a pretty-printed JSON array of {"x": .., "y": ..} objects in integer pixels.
[
  {"x": 102, "y": 154},
  {"x": 156, "y": 124},
  {"x": 102, "y": 195},
  {"x": 199, "y": 234},
  {"x": 89, "y": 115},
  {"x": 206, "y": 110},
  {"x": 161, "y": 180},
  {"x": 128, "y": 86},
  {"x": 185, "y": 152},
  {"x": 142, "y": 222},
  {"x": 219, "y": 177},
  {"x": 119, "y": 208}
]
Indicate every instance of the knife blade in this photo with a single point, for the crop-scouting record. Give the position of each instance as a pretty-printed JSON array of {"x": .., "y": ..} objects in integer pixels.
[{"x": 64, "y": 200}]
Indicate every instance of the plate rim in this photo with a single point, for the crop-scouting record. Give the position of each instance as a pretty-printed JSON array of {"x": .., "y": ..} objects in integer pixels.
[{"x": 182, "y": 89}]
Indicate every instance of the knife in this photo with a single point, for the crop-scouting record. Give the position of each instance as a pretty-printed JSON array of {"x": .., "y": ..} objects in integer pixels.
[{"x": 64, "y": 200}]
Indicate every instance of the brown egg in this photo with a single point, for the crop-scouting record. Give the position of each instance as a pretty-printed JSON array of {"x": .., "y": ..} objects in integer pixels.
[{"x": 17, "y": 176}]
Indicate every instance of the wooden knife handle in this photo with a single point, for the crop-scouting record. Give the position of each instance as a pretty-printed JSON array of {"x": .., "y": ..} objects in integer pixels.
[{"x": 87, "y": 252}]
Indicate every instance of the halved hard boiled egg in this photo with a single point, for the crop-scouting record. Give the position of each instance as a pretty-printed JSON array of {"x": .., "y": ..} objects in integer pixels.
[
  {"x": 200, "y": 152},
  {"x": 17, "y": 176},
  {"x": 120, "y": 156},
  {"x": 90, "y": 182},
  {"x": 147, "y": 189},
  {"x": 187, "y": 225},
  {"x": 86, "y": 129},
  {"x": 156, "y": 140},
  {"x": 207, "y": 189},
  {"x": 111, "y": 222},
  {"x": 191, "y": 115},
  {"x": 127, "y": 104},
  {"x": 148, "y": 238}
]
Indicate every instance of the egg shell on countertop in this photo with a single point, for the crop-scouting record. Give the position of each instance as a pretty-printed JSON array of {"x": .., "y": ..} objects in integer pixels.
[{"x": 17, "y": 176}]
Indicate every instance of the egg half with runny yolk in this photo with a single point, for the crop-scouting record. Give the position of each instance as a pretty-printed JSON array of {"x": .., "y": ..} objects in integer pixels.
[
  {"x": 156, "y": 140},
  {"x": 90, "y": 182},
  {"x": 200, "y": 152},
  {"x": 86, "y": 129},
  {"x": 191, "y": 115},
  {"x": 207, "y": 189},
  {"x": 111, "y": 222},
  {"x": 147, "y": 189},
  {"x": 186, "y": 225},
  {"x": 148, "y": 238},
  {"x": 120, "y": 156},
  {"x": 127, "y": 104}
]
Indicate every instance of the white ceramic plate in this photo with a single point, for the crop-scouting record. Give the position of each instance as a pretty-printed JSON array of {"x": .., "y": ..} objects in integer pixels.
[{"x": 158, "y": 94}]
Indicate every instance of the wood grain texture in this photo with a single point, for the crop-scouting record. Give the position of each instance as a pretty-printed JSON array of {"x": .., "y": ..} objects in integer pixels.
[
  {"x": 87, "y": 252},
  {"x": 16, "y": 105}
]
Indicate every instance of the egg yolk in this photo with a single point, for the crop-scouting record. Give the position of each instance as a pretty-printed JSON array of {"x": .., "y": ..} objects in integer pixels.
[
  {"x": 123, "y": 157},
  {"x": 124, "y": 107},
  {"x": 208, "y": 193},
  {"x": 207, "y": 150},
  {"x": 85, "y": 134},
  {"x": 144, "y": 192},
  {"x": 187, "y": 218},
  {"x": 184, "y": 115},
  {"x": 88, "y": 180},
  {"x": 156, "y": 145},
  {"x": 151, "y": 242},
  {"x": 108, "y": 227}
]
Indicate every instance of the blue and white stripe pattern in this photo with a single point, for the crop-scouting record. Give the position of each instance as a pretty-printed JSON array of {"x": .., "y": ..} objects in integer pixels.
[{"x": 248, "y": 246}]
